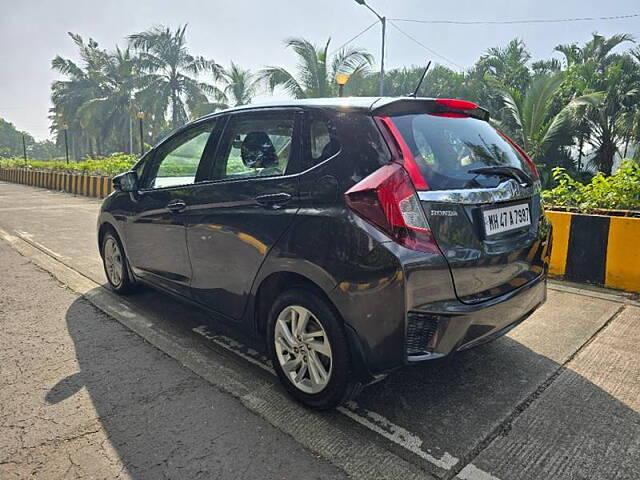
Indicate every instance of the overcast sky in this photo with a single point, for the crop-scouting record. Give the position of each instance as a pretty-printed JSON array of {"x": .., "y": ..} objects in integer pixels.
[{"x": 251, "y": 33}]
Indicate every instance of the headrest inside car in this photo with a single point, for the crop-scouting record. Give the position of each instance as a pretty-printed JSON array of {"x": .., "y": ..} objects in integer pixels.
[{"x": 257, "y": 151}]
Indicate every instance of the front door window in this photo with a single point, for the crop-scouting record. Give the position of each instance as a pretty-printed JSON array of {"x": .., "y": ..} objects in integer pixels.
[{"x": 176, "y": 162}]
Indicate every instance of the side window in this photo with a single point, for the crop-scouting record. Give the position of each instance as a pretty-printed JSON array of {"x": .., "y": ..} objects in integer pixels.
[
  {"x": 176, "y": 162},
  {"x": 321, "y": 139},
  {"x": 256, "y": 145}
]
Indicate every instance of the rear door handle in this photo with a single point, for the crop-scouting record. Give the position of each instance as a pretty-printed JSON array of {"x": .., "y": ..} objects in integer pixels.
[
  {"x": 274, "y": 200},
  {"x": 177, "y": 206}
]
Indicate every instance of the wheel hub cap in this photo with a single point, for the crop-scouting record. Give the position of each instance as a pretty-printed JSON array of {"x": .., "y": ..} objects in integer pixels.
[
  {"x": 303, "y": 349},
  {"x": 113, "y": 263}
]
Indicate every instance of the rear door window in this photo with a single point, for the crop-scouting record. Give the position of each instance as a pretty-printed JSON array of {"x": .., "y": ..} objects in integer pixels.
[
  {"x": 320, "y": 139},
  {"x": 447, "y": 148},
  {"x": 256, "y": 144}
]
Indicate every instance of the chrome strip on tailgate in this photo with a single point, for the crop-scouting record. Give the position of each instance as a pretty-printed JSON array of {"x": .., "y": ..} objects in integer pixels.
[{"x": 507, "y": 190}]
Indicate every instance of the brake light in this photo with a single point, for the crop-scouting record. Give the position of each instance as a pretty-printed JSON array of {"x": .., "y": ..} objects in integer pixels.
[
  {"x": 527, "y": 158},
  {"x": 401, "y": 152},
  {"x": 455, "y": 104},
  {"x": 388, "y": 200}
]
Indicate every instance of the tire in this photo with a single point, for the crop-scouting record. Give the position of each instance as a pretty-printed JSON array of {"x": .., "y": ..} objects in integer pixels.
[
  {"x": 320, "y": 343},
  {"x": 116, "y": 266}
]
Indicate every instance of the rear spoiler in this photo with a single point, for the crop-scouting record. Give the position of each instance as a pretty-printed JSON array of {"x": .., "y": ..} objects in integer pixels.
[{"x": 438, "y": 106}]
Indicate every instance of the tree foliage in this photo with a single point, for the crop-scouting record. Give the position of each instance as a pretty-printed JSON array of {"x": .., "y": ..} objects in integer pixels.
[
  {"x": 579, "y": 110},
  {"x": 316, "y": 72}
]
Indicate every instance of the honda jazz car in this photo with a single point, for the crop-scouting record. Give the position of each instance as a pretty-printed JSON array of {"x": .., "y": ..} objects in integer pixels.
[{"x": 350, "y": 237}]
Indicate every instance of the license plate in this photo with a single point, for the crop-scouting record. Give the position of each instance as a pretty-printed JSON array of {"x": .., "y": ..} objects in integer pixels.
[{"x": 505, "y": 219}]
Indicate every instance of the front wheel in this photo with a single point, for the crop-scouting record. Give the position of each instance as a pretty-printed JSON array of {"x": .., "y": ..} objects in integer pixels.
[
  {"x": 115, "y": 264},
  {"x": 309, "y": 350}
]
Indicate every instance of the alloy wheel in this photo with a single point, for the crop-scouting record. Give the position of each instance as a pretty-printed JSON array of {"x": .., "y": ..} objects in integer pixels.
[
  {"x": 113, "y": 262},
  {"x": 303, "y": 349}
]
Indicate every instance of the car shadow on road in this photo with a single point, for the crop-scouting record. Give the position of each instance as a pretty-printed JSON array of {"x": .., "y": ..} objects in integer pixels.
[
  {"x": 164, "y": 421},
  {"x": 161, "y": 418}
]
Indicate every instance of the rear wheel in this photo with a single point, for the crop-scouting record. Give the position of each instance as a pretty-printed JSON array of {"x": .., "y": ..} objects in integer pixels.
[
  {"x": 309, "y": 350},
  {"x": 115, "y": 264}
]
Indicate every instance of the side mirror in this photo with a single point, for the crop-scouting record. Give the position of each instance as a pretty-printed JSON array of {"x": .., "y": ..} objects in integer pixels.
[{"x": 126, "y": 182}]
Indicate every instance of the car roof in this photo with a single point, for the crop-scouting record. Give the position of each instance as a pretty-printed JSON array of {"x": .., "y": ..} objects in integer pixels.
[
  {"x": 367, "y": 104},
  {"x": 351, "y": 104},
  {"x": 338, "y": 103}
]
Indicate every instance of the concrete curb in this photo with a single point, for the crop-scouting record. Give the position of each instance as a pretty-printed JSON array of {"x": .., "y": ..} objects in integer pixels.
[{"x": 96, "y": 186}]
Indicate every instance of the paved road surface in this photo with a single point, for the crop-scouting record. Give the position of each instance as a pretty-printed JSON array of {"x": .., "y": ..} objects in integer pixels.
[{"x": 556, "y": 398}]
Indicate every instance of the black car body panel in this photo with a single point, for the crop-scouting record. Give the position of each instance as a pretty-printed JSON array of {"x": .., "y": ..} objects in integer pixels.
[{"x": 226, "y": 248}]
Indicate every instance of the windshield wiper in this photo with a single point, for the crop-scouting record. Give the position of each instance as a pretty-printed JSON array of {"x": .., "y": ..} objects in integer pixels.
[{"x": 511, "y": 172}]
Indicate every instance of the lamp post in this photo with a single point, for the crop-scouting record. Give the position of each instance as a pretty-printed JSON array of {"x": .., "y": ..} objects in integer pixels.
[
  {"x": 24, "y": 149},
  {"x": 140, "y": 116},
  {"x": 341, "y": 80},
  {"x": 66, "y": 142},
  {"x": 383, "y": 21}
]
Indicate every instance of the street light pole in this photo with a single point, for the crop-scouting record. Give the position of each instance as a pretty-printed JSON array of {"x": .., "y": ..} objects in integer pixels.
[
  {"x": 66, "y": 142},
  {"x": 24, "y": 149},
  {"x": 140, "y": 117},
  {"x": 383, "y": 22}
]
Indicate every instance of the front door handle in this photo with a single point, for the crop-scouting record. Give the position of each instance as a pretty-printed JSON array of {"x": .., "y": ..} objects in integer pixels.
[
  {"x": 176, "y": 206},
  {"x": 274, "y": 200}
]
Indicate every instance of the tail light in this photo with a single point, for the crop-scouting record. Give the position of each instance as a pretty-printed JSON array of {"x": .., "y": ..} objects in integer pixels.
[
  {"x": 527, "y": 158},
  {"x": 388, "y": 200},
  {"x": 400, "y": 151}
]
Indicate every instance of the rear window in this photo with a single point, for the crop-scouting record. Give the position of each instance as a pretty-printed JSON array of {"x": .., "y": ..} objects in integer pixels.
[{"x": 447, "y": 148}]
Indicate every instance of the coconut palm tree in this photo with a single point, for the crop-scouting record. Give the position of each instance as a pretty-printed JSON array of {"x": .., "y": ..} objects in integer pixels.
[
  {"x": 68, "y": 95},
  {"x": 538, "y": 129},
  {"x": 239, "y": 85},
  {"x": 109, "y": 115},
  {"x": 170, "y": 81},
  {"x": 316, "y": 71}
]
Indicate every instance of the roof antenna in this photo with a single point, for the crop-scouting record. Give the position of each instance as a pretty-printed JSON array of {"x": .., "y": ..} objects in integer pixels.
[{"x": 415, "y": 92}]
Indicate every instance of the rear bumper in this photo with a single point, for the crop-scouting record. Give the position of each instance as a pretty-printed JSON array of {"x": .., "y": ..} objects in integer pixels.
[{"x": 456, "y": 326}]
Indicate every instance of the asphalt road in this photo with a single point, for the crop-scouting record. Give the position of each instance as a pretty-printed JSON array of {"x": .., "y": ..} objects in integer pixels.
[{"x": 558, "y": 397}]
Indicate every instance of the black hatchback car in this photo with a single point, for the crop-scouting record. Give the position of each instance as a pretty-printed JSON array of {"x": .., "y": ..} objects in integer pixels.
[{"x": 349, "y": 236}]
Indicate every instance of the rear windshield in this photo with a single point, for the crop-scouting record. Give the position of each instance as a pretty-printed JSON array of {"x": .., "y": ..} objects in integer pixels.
[{"x": 446, "y": 148}]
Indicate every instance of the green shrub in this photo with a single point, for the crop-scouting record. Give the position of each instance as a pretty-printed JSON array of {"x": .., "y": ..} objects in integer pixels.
[
  {"x": 111, "y": 165},
  {"x": 619, "y": 191}
]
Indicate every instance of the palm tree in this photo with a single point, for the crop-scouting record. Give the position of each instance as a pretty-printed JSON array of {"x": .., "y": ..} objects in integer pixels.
[
  {"x": 110, "y": 113},
  {"x": 239, "y": 85},
  {"x": 508, "y": 65},
  {"x": 169, "y": 80},
  {"x": 598, "y": 49},
  {"x": 316, "y": 71},
  {"x": 593, "y": 67},
  {"x": 608, "y": 124},
  {"x": 80, "y": 86},
  {"x": 539, "y": 130}
]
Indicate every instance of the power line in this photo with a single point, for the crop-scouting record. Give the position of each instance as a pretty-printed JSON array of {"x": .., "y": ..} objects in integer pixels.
[
  {"x": 430, "y": 50},
  {"x": 354, "y": 38},
  {"x": 515, "y": 22}
]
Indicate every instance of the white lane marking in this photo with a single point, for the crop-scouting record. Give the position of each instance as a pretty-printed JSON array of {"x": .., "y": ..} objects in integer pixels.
[
  {"x": 398, "y": 435},
  {"x": 237, "y": 348},
  {"x": 371, "y": 420},
  {"x": 471, "y": 472},
  {"x": 28, "y": 237}
]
